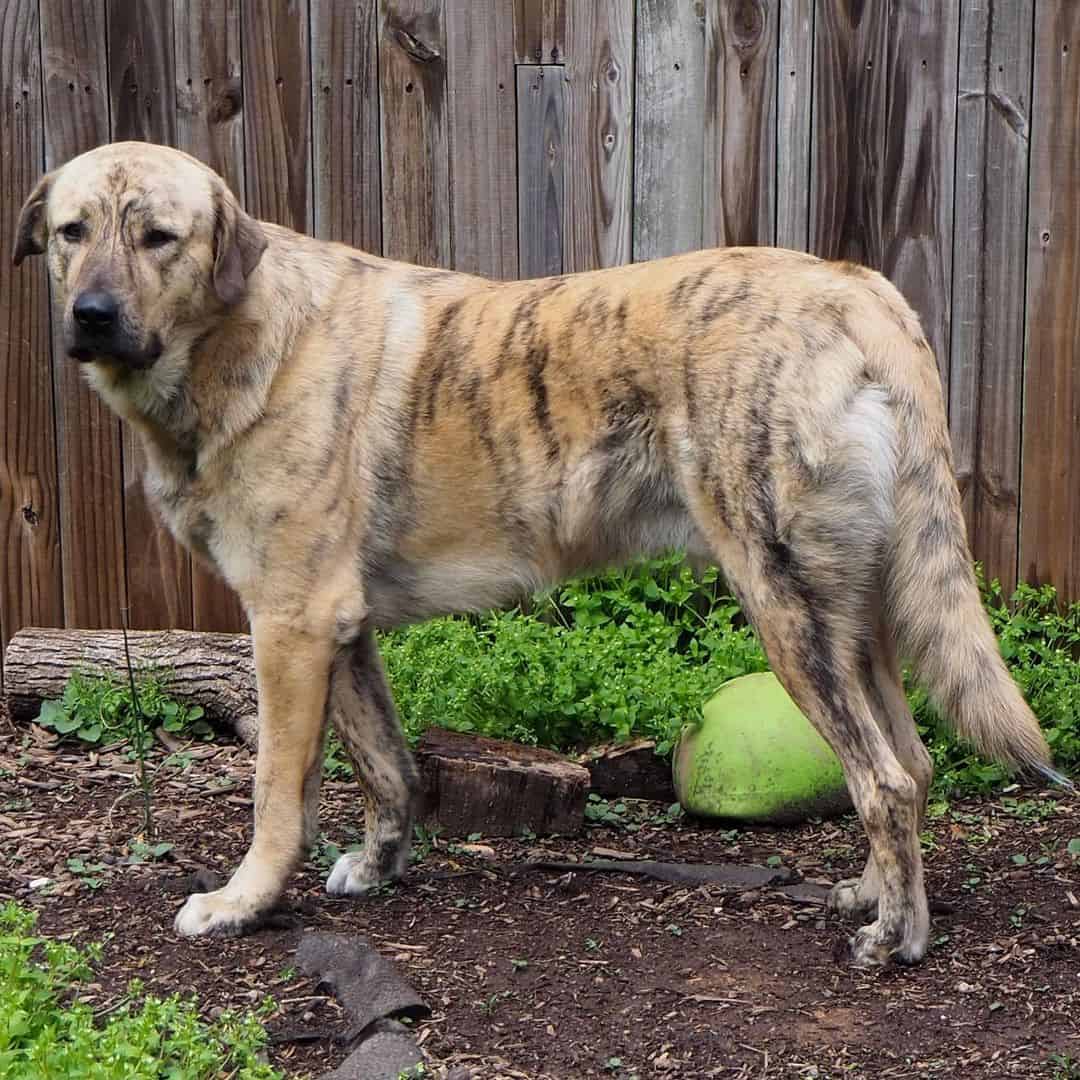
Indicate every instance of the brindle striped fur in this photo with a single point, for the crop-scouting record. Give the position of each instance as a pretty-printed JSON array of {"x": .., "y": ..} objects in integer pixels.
[{"x": 355, "y": 442}]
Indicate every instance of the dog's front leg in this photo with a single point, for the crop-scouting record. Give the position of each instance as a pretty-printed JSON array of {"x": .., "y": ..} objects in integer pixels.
[{"x": 293, "y": 670}]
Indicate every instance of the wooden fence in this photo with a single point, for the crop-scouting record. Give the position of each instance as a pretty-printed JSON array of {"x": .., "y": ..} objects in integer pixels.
[{"x": 938, "y": 141}]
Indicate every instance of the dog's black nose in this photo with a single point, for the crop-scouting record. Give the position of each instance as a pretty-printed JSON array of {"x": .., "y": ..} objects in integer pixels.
[{"x": 96, "y": 310}]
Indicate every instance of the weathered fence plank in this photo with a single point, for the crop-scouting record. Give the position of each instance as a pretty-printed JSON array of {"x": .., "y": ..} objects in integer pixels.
[
  {"x": 482, "y": 136},
  {"x": 415, "y": 152},
  {"x": 210, "y": 125},
  {"x": 920, "y": 150},
  {"x": 30, "y": 580},
  {"x": 345, "y": 115},
  {"x": 847, "y": 150},
  {"x": 277, "y": 107},
  {"x": 540, "y": 31},
  {"x": 87, "y": 434},
  {"x": 599, "y": 134},
  {"x": 740, "y": 122},
  {"x": 794, "y": 93},
  {"x": 669, "y": 163},
  {"x": 1050, "y": 494},
  {"x": 989, "y": 249},
  {"x": 541, "y": 170}
]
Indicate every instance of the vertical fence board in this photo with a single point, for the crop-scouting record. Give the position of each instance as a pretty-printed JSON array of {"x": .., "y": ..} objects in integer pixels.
[
  {"x": 540, "y": 31},
  {"x": 87, "y": 433},
  {"x": 989, "y": 252},
  {"x": 345, "y": 115},
  {"x": 30, "y": 586},
  {"x": 740, "y": 122},
  {"x": 415, "y": 154},
  {"x": 277, "y": 107},
  {"x": 209, "y": 125},
  {"x": 847, "y": 149},
  {"x": 482, "y": 137},
  {"x": 599, "y": 134},
  {"x": 541, "y": 177},
  {"x": 1050, "y": 493},
  {"x": 142, "y": 87},
  {"x": 794, "y": 91},
  {"x": 920, "y": 156},
  {"x": 669, "y": 109}
]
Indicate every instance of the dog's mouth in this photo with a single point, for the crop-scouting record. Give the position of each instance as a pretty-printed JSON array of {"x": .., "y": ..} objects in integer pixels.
[{"x": 86, "y": 350}]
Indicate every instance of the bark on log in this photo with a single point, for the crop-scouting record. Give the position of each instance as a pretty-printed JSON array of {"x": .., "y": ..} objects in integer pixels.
[
  {"x": 216, "y": 671},
  {"x": 476, "y": 785}
]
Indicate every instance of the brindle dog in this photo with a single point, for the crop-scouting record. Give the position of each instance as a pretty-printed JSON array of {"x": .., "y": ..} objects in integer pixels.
[{"x": 354, "y": 442}]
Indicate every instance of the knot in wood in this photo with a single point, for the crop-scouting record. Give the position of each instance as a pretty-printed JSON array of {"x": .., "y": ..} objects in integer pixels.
[{"x": 417, "y": 49}]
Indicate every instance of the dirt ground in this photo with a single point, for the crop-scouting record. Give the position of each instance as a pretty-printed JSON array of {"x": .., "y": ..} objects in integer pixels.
[{"x": 536, "y": 974}]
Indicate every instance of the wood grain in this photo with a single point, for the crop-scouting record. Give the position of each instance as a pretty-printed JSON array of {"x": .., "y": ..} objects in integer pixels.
[
  {"x": 91, "y": 468},
  {"x": 1050, "y": 494},
  {"x": 669, "y": 116},
  {"x": 993, "y": 123},
  {"x": 541, "y": 170},
  {"x": 30, "y": 582},
  {"x": 540, "y": 31},
  {"x": 415, "y": 152},
  {"x": 794, "y": 94},
  {"x": 345, "y": 114},
  {"x": 847, "y": 147},
  {"x": 142, "y": 80},
  {"x": 741, "y": 41},
  {"x": 917, "y": 193},
  {"x": 142, "y": 84},
  {"x": 210, "y": 125},
  {"x": 277, "y": 110},
  {"x": 482, "y": 137},
  {"x": 599, "y": 134}
]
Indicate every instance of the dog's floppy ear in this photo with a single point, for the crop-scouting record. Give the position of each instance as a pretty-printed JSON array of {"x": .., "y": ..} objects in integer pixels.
[
  {"x": 239, "y": 242},
  {"x": 31, "y": 234}
]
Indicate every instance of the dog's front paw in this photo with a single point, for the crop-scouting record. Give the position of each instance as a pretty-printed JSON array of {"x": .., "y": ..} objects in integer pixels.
[
  {"x": 215, "y": 913},
  {"x": 354, "y": 874}
]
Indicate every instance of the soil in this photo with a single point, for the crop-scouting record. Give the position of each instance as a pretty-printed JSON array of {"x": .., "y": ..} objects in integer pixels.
[{"x": 538, "y": 974}]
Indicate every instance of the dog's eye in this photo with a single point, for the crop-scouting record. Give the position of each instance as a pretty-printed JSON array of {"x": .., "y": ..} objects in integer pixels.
[
  {"x": 156, "y": 238},
  {"x": 72, "y": 232}
]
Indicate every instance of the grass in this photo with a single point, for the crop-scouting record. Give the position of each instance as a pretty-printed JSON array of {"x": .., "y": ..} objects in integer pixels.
[
  {"x": 629, "y": 653},
  {"x": 47, "y": 1032},
  {"x": 637, "y": 652}
]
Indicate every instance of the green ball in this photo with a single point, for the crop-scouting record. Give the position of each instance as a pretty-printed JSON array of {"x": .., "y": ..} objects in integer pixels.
[{"x": 756, "y": 757}]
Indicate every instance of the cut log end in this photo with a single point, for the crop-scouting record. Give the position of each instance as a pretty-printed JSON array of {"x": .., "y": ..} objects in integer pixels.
[{"x": 476, "y": 785}]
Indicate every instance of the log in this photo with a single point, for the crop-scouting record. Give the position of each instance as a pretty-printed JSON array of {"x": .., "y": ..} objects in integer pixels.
[
  {"x": 475, "y": 785},
  {"x": 630, "y": 770},
  {"x": 216, "y": 671}
]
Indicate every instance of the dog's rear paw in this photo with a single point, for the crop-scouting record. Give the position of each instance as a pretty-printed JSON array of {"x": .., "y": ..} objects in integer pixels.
[
  {"x": 873, "y": 946},
  {"x": 215, "y": 913},
  {"x": 846, "y": 898},
  {"x": 354, "y": 874}
]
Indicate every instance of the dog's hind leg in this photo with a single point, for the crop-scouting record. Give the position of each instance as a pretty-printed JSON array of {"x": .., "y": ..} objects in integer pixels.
[
  {"x": 879, "y": 672},
  {"x": 362, "y": 711},
  {"x": 293, "y": 670}
]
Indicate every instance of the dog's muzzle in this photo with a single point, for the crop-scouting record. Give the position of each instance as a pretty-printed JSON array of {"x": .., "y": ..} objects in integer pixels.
[{"x": 97, "y": 332}]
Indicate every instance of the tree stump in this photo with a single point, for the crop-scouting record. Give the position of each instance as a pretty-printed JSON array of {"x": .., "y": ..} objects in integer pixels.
[
  {"x": 476, "y": 785},
  {"x": 216, "y": 671},
  {"x": 630, "y": 770}
]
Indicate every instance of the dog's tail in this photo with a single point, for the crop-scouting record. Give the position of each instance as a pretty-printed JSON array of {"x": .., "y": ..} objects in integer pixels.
[{"x": 931, "y": 593}]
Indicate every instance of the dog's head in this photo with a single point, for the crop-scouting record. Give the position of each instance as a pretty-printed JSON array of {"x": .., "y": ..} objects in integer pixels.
[{"x": 143, "y": 242}]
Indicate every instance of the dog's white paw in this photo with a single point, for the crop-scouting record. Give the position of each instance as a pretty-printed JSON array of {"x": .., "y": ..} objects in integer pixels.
[
  {"x": 353, "y": 875},
  {"x": 215, "y": 913}
]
